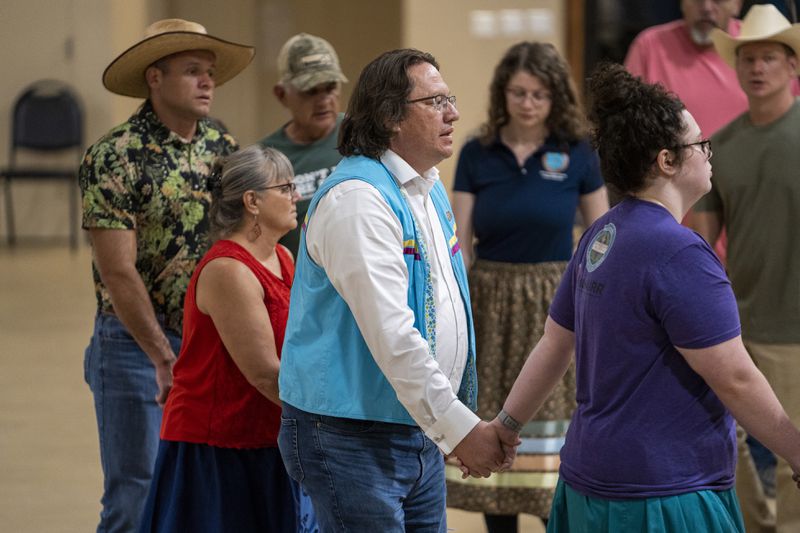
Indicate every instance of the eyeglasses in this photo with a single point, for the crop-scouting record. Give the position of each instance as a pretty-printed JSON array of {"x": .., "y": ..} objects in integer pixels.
[
  {"x": 284, "y": 188},
  {"x": 519, "y": 96},
  {"x": 705, "y": 147},
  {"x": 438, "y": 101}
]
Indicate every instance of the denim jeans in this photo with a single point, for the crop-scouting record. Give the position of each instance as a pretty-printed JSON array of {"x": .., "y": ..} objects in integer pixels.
[
  {"x": 123, "y": 382},
  {"x": 365, "y": 476}
]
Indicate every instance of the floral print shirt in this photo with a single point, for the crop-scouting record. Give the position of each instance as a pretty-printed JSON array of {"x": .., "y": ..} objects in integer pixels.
[{"x": 143, "y": 177}]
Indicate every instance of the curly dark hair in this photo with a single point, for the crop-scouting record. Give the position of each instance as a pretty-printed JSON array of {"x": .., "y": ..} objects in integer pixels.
[
  {"x": 633, "y": 121},
  {"x": 378, "y": 102},
  {"x": 566, "y": 120}
]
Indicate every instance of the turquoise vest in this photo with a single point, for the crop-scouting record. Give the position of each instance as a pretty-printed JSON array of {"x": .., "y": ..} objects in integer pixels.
[{"x": 326, "y": 367}]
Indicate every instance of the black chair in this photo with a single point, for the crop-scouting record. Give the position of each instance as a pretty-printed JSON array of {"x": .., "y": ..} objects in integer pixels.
[{"x": 47, "y": 121}]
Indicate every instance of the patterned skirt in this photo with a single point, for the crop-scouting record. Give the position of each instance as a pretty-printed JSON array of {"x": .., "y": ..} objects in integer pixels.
[{"x": 510, "y": 303}]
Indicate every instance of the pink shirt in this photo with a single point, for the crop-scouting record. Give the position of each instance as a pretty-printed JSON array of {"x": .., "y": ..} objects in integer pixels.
[{"x": 706, "y": 85}]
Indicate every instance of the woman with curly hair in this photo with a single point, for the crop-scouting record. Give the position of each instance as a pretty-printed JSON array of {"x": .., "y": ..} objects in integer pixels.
[
  {"x": 649, "y": 313},
  {"x": 517, "y": 189}
]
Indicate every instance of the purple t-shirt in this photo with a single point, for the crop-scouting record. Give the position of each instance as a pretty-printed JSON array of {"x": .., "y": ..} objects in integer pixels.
[{"x": 646, "y": 425}]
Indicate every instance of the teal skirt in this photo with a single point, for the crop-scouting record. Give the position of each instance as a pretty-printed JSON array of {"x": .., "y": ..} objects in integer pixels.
[{"x": 705, "y": 510}]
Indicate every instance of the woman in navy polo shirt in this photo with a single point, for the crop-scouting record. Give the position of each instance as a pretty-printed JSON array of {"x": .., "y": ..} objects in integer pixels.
[
  {"x": 651, "y": 317},
  {"x": 517, "y": 189}
]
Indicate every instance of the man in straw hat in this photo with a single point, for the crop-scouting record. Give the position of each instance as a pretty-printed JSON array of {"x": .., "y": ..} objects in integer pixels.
[
  {"x": 756, "y": 195},
  {"x": 145, "y": 197},
  {"x": 309, "y": 86}
]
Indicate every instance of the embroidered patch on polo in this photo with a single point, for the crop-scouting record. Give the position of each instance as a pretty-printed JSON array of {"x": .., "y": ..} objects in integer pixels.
[{"x": 555, "y": 161}]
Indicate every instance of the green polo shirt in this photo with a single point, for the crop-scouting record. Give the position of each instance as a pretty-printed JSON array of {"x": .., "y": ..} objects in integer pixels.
[{"x": 756, "y": 189}]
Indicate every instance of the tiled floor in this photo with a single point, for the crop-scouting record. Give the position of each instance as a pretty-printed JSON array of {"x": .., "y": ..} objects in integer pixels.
[{"x": 50, "y": 479}]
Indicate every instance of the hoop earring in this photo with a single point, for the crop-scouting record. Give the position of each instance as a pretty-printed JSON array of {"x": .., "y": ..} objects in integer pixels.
[{"x": 256, "y": 229}]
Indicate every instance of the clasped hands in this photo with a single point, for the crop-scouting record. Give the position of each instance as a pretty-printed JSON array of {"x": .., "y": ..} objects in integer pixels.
[{"x": 489, "y": 447}]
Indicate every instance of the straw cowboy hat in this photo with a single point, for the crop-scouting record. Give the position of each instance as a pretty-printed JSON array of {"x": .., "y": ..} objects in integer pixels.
[
  {"x": 125, "y": 75},
  {"x": 762, "y": 23}
]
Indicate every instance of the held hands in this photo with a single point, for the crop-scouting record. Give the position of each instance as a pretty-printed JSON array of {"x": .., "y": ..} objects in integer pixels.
[
  {"x": 488, "y": 448},
  {"x": 510, "y": 440}
]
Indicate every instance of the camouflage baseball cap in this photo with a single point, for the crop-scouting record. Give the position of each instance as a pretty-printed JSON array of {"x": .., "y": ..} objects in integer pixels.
[{"x": 306, "y": 61}]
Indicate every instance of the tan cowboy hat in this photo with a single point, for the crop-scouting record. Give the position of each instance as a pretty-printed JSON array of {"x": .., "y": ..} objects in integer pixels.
[
  {"x": 762, "y": 23},
  {"x": 125, "y": 75}
]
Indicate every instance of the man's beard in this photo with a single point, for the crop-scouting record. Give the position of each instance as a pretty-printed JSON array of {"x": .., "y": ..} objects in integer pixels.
[{"x": 700, "y": 38}]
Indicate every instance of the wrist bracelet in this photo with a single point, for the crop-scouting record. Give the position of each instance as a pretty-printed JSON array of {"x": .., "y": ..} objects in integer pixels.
[{"x": 509, "y": 421}]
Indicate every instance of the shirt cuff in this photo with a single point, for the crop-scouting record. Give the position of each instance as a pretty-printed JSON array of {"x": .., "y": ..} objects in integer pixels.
[{"x": 452, "y": 426}]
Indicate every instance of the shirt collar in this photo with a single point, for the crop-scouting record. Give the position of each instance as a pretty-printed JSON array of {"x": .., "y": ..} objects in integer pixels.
[
  {"x": 404, "y": 174},
  {"x": 550, "y": 144},
  {"x": 162, "y": 133}
]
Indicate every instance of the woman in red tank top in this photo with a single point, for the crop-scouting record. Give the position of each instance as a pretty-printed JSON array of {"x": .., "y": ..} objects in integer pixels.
[{"x": 218, "y": 466}]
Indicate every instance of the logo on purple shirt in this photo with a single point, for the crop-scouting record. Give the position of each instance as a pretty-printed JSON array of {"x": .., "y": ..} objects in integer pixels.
[{"x": 600, "y": 247}]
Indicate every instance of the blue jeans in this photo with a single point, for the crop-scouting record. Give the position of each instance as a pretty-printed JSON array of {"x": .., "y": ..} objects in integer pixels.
[
  {"x": 123, "y": 382},
  {"x": 365, "y": 476}
]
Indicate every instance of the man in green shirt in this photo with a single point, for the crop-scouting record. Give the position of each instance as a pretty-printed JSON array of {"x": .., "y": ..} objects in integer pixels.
[
  {"x": 756, "y": 196},
  {"x": 309, "y": 86}
]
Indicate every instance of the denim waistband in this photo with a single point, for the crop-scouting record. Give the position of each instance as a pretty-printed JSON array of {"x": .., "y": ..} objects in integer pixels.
[
  {"x": 291, "y": 411},
  {"x": 102, "y": 316}
]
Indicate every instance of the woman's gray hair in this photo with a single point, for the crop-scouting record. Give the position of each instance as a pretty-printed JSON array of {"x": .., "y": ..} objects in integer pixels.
[{"x": 250, "y": 169}]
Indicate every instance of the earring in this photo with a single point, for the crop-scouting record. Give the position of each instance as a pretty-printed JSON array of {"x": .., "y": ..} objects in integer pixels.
[{"x": 256, "y": 229}]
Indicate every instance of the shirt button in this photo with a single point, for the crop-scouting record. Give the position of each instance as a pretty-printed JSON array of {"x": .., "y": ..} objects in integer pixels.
[{"x": 524, "y": 170}]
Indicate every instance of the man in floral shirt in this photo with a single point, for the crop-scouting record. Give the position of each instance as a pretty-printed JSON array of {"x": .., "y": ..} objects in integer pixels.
[{"x": 145, "y": 203}]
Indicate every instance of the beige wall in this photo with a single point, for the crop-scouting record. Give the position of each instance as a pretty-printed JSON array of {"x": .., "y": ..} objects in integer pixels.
[
  {"x": 358, "y": 29},
  {"x": 74, "y": 40},
  {"x": 467, "y": 56},
  {"x": 70, "y": 40}
]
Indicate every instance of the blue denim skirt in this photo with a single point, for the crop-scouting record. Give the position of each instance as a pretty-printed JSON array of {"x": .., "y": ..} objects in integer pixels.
[
  {"x": 705, "y": 510},
  {"x": 197, "y": 487}
]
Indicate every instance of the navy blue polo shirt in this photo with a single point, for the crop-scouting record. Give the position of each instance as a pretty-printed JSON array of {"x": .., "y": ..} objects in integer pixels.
[{"x": 525, "y": 214}]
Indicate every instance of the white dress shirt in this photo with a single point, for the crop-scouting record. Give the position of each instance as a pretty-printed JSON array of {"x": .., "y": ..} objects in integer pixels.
[{"x": 356, "y": 237}]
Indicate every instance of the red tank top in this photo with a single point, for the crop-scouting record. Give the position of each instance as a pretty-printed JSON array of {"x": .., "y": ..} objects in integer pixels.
[{"x": 211, "y": 401}]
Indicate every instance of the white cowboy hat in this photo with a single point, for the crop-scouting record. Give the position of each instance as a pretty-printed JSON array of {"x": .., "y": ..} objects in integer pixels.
[
  {"x": 762, "y": 23},
  {"x": 125, "y": 75}
]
